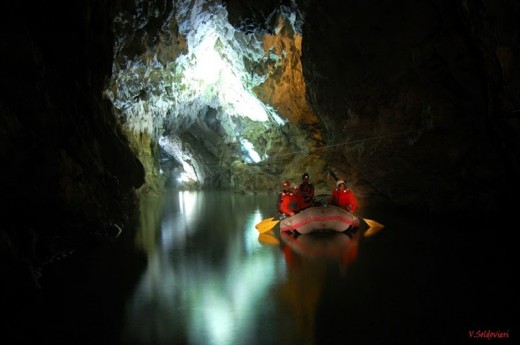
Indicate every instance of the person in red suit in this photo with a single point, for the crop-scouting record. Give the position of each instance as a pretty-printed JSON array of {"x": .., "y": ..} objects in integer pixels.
[
  {"x": 343, "y": 197},
  {"x": 286, "y": 187},
  {"x": 291, "y": 201}
]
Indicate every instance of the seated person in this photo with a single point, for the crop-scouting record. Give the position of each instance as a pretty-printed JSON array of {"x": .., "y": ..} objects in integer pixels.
[
  {"x": 290, "y": 202},
  {"x": 307, "y": 191},
  {"x": 286, "y": 186},
  {"x": 343, "y": 197}
]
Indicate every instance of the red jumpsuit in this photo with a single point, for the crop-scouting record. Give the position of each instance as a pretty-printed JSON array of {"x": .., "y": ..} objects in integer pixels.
[
  {"x": 289, "y": 203},
  {"x": 344, "y": 199}
]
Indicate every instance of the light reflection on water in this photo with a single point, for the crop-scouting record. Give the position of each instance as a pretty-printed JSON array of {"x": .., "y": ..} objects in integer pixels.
[
  {"x": 211, "y": 279},
  {"x": 208, "y": 278}
]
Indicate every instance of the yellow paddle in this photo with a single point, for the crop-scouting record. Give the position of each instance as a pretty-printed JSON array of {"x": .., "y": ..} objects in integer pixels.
[
  {"x": 373, "y": 227},
  {"x": 266, "y": 225},
  {"x": 265, "y": 221},
  {"x": 373, "y": 224}
]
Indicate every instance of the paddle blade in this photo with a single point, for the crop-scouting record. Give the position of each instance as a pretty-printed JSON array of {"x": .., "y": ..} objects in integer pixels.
[
  {"x": 373, "y": 227},
  {"x": 264, "y": 221},
  {"x": 373, "y": 224},
  {"x": 371, "y": 232},
  {"x": 266, "y": 226}
]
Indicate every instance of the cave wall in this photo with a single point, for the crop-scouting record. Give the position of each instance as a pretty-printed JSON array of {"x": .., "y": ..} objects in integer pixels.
[
  {"x": 152, "y": 88},
  {"x": 418, "y": 98},
  {"x": 68, "y": 175},
  {"x": 418, "y": 102}
]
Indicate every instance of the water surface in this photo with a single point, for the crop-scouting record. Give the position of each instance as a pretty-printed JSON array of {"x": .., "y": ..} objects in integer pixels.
[{"x": 196, "y": 271}]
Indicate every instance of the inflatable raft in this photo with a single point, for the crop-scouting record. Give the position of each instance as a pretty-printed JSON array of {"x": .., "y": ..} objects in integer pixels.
[{"x": 320, "y": 218}]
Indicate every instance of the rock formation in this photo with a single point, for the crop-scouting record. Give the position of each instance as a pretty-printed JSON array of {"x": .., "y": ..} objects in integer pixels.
[{"x": 414, "y": 105}]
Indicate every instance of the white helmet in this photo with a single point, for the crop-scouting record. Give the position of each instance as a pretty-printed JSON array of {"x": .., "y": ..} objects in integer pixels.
[{"x": 339, "y": 182}]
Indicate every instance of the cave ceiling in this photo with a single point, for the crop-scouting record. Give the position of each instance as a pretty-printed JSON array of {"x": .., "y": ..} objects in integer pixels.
[
  {"x": 245, "y": 94},
  {"x": 415, "y": 104},
  {"x": 225, "y": 102}
]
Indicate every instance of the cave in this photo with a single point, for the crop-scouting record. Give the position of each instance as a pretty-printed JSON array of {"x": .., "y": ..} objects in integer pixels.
[{"x": 414, "y": 103}]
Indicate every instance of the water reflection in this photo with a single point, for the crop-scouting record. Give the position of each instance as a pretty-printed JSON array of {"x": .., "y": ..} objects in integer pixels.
[
  {"x": 339, "y": 248},
  {"x": 211, "y": 278},
  {"x": 311, "y": 259},
  {"x": 207, "y": 280}
]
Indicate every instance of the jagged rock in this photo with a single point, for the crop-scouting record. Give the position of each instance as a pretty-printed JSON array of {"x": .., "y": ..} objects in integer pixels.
[{"x": 415, "y": 104}]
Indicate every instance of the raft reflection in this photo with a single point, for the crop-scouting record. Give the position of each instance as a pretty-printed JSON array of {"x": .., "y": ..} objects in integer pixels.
[{"x": 308, "y": 258}]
